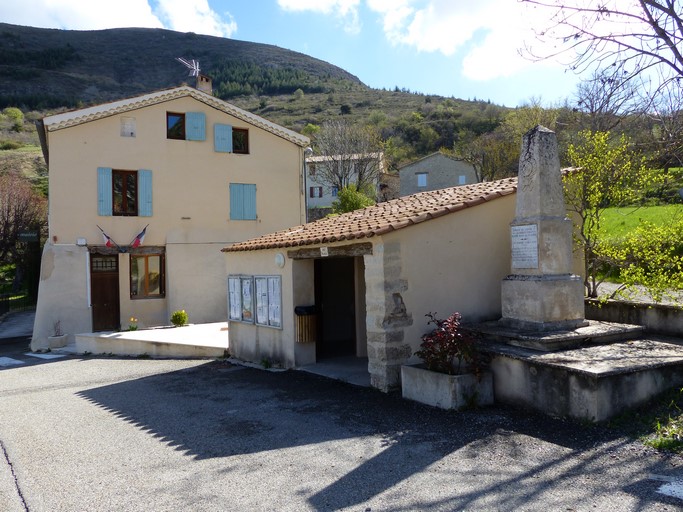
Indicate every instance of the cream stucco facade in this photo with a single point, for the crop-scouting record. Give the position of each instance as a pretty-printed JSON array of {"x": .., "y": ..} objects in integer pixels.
[
  {"x": 451, "y": 263},
  {"x": 188, "y": 220}
]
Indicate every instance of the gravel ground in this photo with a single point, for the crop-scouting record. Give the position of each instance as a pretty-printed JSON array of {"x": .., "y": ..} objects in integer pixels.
[{"x": 91, "y": 434}]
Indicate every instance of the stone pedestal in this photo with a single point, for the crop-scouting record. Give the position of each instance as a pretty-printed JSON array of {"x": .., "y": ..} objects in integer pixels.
[{"x": 541, "y": 294}]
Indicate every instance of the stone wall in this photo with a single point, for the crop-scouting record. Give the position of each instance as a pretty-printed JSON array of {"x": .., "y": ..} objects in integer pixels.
[
  {"x": 656, "y": 318},
  {"x": 386, "y": 316}
]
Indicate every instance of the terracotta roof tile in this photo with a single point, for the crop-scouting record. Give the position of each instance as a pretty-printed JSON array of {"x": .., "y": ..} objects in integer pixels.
[{"x": 383, "y": 217}]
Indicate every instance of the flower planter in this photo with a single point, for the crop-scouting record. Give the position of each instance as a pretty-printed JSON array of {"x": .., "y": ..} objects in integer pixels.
[
  {"x": 446, "y": 391},
  {"x": 57, "y": 341}
]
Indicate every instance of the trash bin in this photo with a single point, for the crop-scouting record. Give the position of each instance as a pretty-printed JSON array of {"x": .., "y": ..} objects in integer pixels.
[{"x": 305, "y": 324}]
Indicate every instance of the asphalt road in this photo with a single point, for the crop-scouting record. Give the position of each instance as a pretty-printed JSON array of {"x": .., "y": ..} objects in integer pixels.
[{"x": 115, "y": 434}]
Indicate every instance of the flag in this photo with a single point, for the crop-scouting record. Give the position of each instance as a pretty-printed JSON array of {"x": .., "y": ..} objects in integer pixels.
[
  {"x": 108, "y": 242},
  {"x": 137, "y": 242}
]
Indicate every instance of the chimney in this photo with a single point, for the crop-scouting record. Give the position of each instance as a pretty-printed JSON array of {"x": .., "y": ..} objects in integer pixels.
[{"x": 204, "y": 84}]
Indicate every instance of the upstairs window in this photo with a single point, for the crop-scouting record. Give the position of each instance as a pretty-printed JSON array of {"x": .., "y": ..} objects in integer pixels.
[
  {"x": 422, "y": 179},
  {"x": 315, "y": 191},
  {"x": 242, "y": 201},
  {"x": 175, "y": 126},
  {"x": 186, "y": 126},
  {"x": 125, "y": 192},
  {"x": 230, "y": 140},
  {"x": 240, "y": 141}
]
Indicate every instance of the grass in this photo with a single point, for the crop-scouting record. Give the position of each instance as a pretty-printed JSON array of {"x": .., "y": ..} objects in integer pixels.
[
  {"x": 618, "y": 222},
  {"x": 659, "y": 424}
]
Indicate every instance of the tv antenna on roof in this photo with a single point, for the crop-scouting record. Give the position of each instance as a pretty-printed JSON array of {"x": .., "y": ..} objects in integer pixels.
[{"x": 192, "y": 65}]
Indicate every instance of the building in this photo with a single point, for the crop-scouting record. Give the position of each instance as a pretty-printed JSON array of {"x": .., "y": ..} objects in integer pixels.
[
  {"x": 143, "y": 195},
  {"x": 435, "y": 171},
  {"x": 320, "y": 194},
  {"x": 359, "y": 284}
]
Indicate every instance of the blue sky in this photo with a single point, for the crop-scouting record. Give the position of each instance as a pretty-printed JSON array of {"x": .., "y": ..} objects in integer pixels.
[{"x": 461, "y": 48}]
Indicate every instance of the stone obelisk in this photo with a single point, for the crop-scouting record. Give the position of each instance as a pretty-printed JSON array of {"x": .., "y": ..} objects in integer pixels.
[{"x": 541, "y": 293}]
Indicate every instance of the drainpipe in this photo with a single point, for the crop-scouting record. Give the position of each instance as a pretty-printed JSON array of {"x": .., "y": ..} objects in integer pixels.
[{"x": 307, "y": 152}]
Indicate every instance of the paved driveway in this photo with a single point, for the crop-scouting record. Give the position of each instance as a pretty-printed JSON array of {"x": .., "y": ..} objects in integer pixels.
[{"x": 105, "y": 434}]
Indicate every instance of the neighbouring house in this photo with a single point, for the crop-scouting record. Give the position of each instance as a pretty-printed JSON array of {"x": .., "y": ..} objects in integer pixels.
[
  {"x": 360, "y": 284},
  {"x": 320, "y": 194},
  {"x": 435, "y": 171},
  {"x": 143, "y": 195}
]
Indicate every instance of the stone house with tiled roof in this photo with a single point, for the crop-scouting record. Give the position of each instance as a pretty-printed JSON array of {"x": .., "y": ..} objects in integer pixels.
[
  {"x": 433, "y": 172},
  {"x": 359, "y": 284},
  {"x": 144, "y": 192}
]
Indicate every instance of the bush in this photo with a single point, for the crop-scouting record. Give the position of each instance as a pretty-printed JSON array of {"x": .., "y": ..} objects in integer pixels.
[
  {"x": 179, "y": 318},
  {"x": 446, "y": 343}
]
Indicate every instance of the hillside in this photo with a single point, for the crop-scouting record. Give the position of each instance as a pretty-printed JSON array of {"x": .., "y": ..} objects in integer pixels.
[{"x": 66, "y": 67}]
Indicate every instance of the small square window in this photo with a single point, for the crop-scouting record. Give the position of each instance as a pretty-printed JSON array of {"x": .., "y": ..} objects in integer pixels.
[
  {"x": 315, "y": 191},
  {"x": 462, "y": 180},
  {"x": 422, "y": 179},
  {"x": 175, "y": 126},
  {"x": 240, "y": 140},
  {"x": 335, "y": 191}
]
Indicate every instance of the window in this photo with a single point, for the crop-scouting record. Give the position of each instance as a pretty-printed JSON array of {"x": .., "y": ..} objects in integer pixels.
[
  {"x": 462, "y": 180},
  {"x": 186, "y": 126},
  {"x": 422, "y": 179},
  {"x": 240, "y": 141},
  {"x": 175, "y": 126},
  {"x": 227, "y": 139},
  {"x": 147, "y": 276},
  {"x": 255, "y": 299},
  {"x": 242, "y": 201},
  {"x": 335, "y": 191},
  {"x": 124, "y": 192},
  {"x": 315, "y": 191},
  {"x": 311, "y": 170}
]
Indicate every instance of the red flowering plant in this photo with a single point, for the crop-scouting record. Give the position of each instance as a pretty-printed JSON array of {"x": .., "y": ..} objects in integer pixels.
[{"x": 448, "y": 343}]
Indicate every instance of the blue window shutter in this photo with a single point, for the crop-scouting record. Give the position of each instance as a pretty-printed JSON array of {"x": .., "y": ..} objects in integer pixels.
[
  {"x": 104, "y": 191},
  {"x": 195, "y": 126},
  {"x": 242, "y": 201},
  {"x": 144, "y": 193},
  {"x": 222, "y": 138}
]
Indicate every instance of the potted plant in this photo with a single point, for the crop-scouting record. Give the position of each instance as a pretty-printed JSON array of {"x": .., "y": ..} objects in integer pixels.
[
  {"x": 58, "y": 338},
  {"x": 452, "y": 374}
]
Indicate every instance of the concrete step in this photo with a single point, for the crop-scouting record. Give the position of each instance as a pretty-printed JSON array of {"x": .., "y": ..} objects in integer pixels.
[
  {"x": 191, "y": 341},
  {"x": 593, "y": 382}
]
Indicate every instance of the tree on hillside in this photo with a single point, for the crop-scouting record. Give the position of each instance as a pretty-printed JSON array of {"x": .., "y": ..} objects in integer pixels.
[
  {"x": 637, "y": 37},
  {"x": 605, "y": 173},
  {"x": 351, "y": 152}
]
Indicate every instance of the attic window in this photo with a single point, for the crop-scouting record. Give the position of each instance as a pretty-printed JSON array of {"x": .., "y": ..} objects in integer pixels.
[
  {"x": 240, "y": 140},
  {"x": 127, "y": 127},
  {"x": 421, "y": 179},
  {"x": 175, "y": 126}
]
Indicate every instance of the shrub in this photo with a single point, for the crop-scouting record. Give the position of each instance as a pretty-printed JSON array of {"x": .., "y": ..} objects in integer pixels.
[
  {"x": 179, "y": 318},
  {"x": 447, "y": 343}
]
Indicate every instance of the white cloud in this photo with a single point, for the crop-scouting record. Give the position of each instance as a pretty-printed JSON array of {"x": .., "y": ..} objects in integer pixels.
[
  {"x": 345, "y": 10},
  {"x": 194, "y": 16},
  {"x": 488, "y": 32},
  {"x": 182, "y": 15}
]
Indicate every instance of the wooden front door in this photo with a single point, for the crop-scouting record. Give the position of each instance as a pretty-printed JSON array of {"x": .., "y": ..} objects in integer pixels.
[{"x": 104, "y": 292}]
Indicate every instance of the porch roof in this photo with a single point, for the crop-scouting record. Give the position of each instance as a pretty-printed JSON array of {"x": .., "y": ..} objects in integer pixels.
[{"x": 383, "y": 217}]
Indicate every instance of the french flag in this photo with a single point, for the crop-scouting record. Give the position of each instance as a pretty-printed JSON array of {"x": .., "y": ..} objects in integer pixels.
[
  {"x": 137, "y": 242},
  {"x": 108, "y": 242}
]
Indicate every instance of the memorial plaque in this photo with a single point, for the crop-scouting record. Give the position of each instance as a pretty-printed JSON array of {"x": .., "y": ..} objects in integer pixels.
[{"x": 525, "y": 246}]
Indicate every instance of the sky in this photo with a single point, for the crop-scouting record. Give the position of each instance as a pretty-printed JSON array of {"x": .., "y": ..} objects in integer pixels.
[{"x": 467, "y": 49}]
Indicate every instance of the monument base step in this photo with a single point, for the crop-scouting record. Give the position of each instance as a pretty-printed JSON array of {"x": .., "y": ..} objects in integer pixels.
[
  {"x": 550, "y": 341},
  {"x": 593, "y": 383}
]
